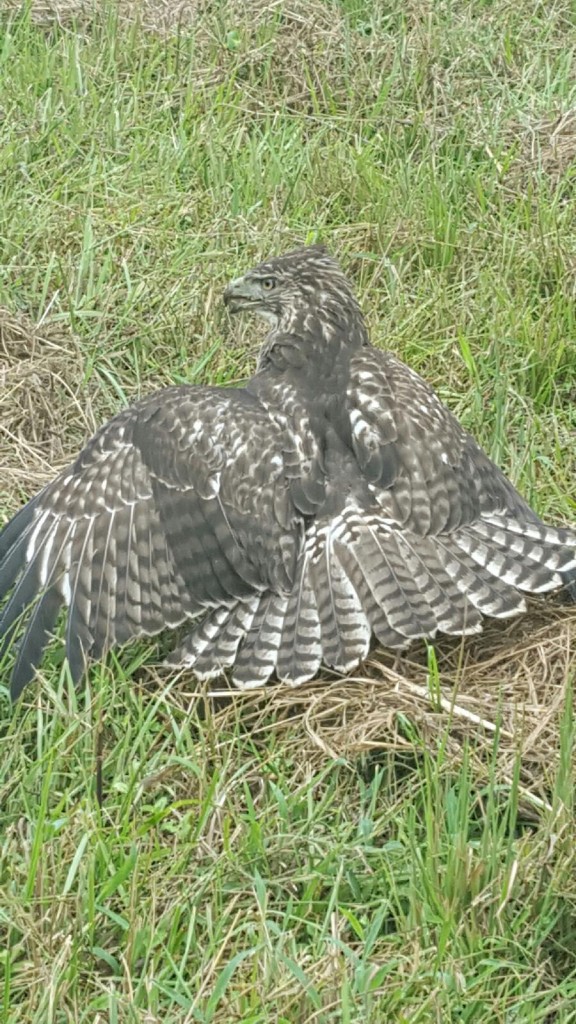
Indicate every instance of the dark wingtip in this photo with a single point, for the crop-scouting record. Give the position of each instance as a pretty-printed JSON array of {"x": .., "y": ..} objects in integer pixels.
[
  {"x": 568, "y": 591},
  {"x": 33, "y": 644},
  {"x": 23, "y": 668},
  {"x": 20, "y": 680}
]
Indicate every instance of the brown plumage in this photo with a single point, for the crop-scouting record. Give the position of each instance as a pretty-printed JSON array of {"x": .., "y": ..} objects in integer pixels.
[{"x": 332, "y": 498}]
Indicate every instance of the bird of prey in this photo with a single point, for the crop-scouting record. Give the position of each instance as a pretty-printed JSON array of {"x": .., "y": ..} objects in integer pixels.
[{"x": 331, "y": 499}]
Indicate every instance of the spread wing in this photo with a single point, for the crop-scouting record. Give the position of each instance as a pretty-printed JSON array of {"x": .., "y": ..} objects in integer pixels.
[
  {"x": 428, "y": 472},
  {"x": 178, "y": 504},
  {"x": 415, "y": 531},
  {"x": 451, "y": 536}
]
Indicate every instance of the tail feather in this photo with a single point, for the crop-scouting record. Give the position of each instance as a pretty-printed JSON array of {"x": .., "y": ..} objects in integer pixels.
[
  {"x": 486, "y": 592},
  {"x": 211, "y": 646},
  {"x": 256, "y": 658},
  {"x": 456, "y": 615},
  {"x": 376, "y": 615},
  {"x": 345, "y": 631},
  {"x": 359, "y": 575},
  {"x": 300, "y": 651},
  {"x": 394, "y": 588}
]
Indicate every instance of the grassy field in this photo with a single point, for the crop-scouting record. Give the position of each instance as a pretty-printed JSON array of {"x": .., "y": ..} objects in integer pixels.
[{"x": 399, "y": 846}]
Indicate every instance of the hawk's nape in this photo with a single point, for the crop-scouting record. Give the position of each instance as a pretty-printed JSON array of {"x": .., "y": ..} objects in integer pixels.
[{"x": 330, "y": 500}]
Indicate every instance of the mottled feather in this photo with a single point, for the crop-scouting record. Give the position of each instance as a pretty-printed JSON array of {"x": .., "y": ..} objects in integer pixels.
[{"x": 332, "y": 499}]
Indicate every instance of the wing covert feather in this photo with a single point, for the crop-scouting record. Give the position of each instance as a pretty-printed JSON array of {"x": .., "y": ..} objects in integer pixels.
[{"x": 426, "y": 472}]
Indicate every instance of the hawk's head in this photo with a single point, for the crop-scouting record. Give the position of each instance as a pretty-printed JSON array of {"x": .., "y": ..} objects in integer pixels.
[{"x": 285, "y": 288}]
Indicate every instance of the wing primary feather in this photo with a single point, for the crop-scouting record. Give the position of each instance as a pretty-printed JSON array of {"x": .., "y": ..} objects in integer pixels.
[
  {"x": 15, "y": 559},
  {"x": 486, "y": 592},
  {"x": 38, "y": 633},
  {"x": 25, "y": 591},
  {"x": 127, "y": 602},
  {"x": 19, "y": 525},
  {"x": 78, "y": 638},
  {"x": 100, "y": 613},
  {"x": 43, "y": 617}
]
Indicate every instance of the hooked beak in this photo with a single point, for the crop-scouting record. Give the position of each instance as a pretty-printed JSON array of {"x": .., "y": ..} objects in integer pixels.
[{"x": 241, "y": 294}]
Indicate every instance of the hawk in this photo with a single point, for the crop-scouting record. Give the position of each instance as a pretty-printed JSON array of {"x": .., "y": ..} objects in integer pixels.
[{"x": 330, "y": 499}]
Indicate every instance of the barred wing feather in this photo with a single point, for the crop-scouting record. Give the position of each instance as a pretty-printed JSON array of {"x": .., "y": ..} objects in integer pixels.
[{"x": 173, "y": 507}]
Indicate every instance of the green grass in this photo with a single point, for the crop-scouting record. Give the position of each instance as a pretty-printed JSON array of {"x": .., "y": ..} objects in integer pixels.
[{"x": 237, "y": 870}]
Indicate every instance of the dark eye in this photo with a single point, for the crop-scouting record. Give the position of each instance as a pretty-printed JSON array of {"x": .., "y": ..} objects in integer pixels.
[{"x": 268, "y": 283}]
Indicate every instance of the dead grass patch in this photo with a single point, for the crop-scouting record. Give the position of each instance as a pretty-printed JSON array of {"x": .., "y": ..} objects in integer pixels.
[
  {"x": 45, "y": 407},
  {"x": 550, "y": 145},
  {"x": 155, "y": 15},
  {"x": 546, "y": 149}
]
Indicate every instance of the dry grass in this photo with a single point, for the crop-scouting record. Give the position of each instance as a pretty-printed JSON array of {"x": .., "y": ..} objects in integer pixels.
[
  {"x": 161, "y": 16},
  {"x": 509, "y": 683},
  {"x": 45, "y": 408},
  {"x": 550, "y": 146}
]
